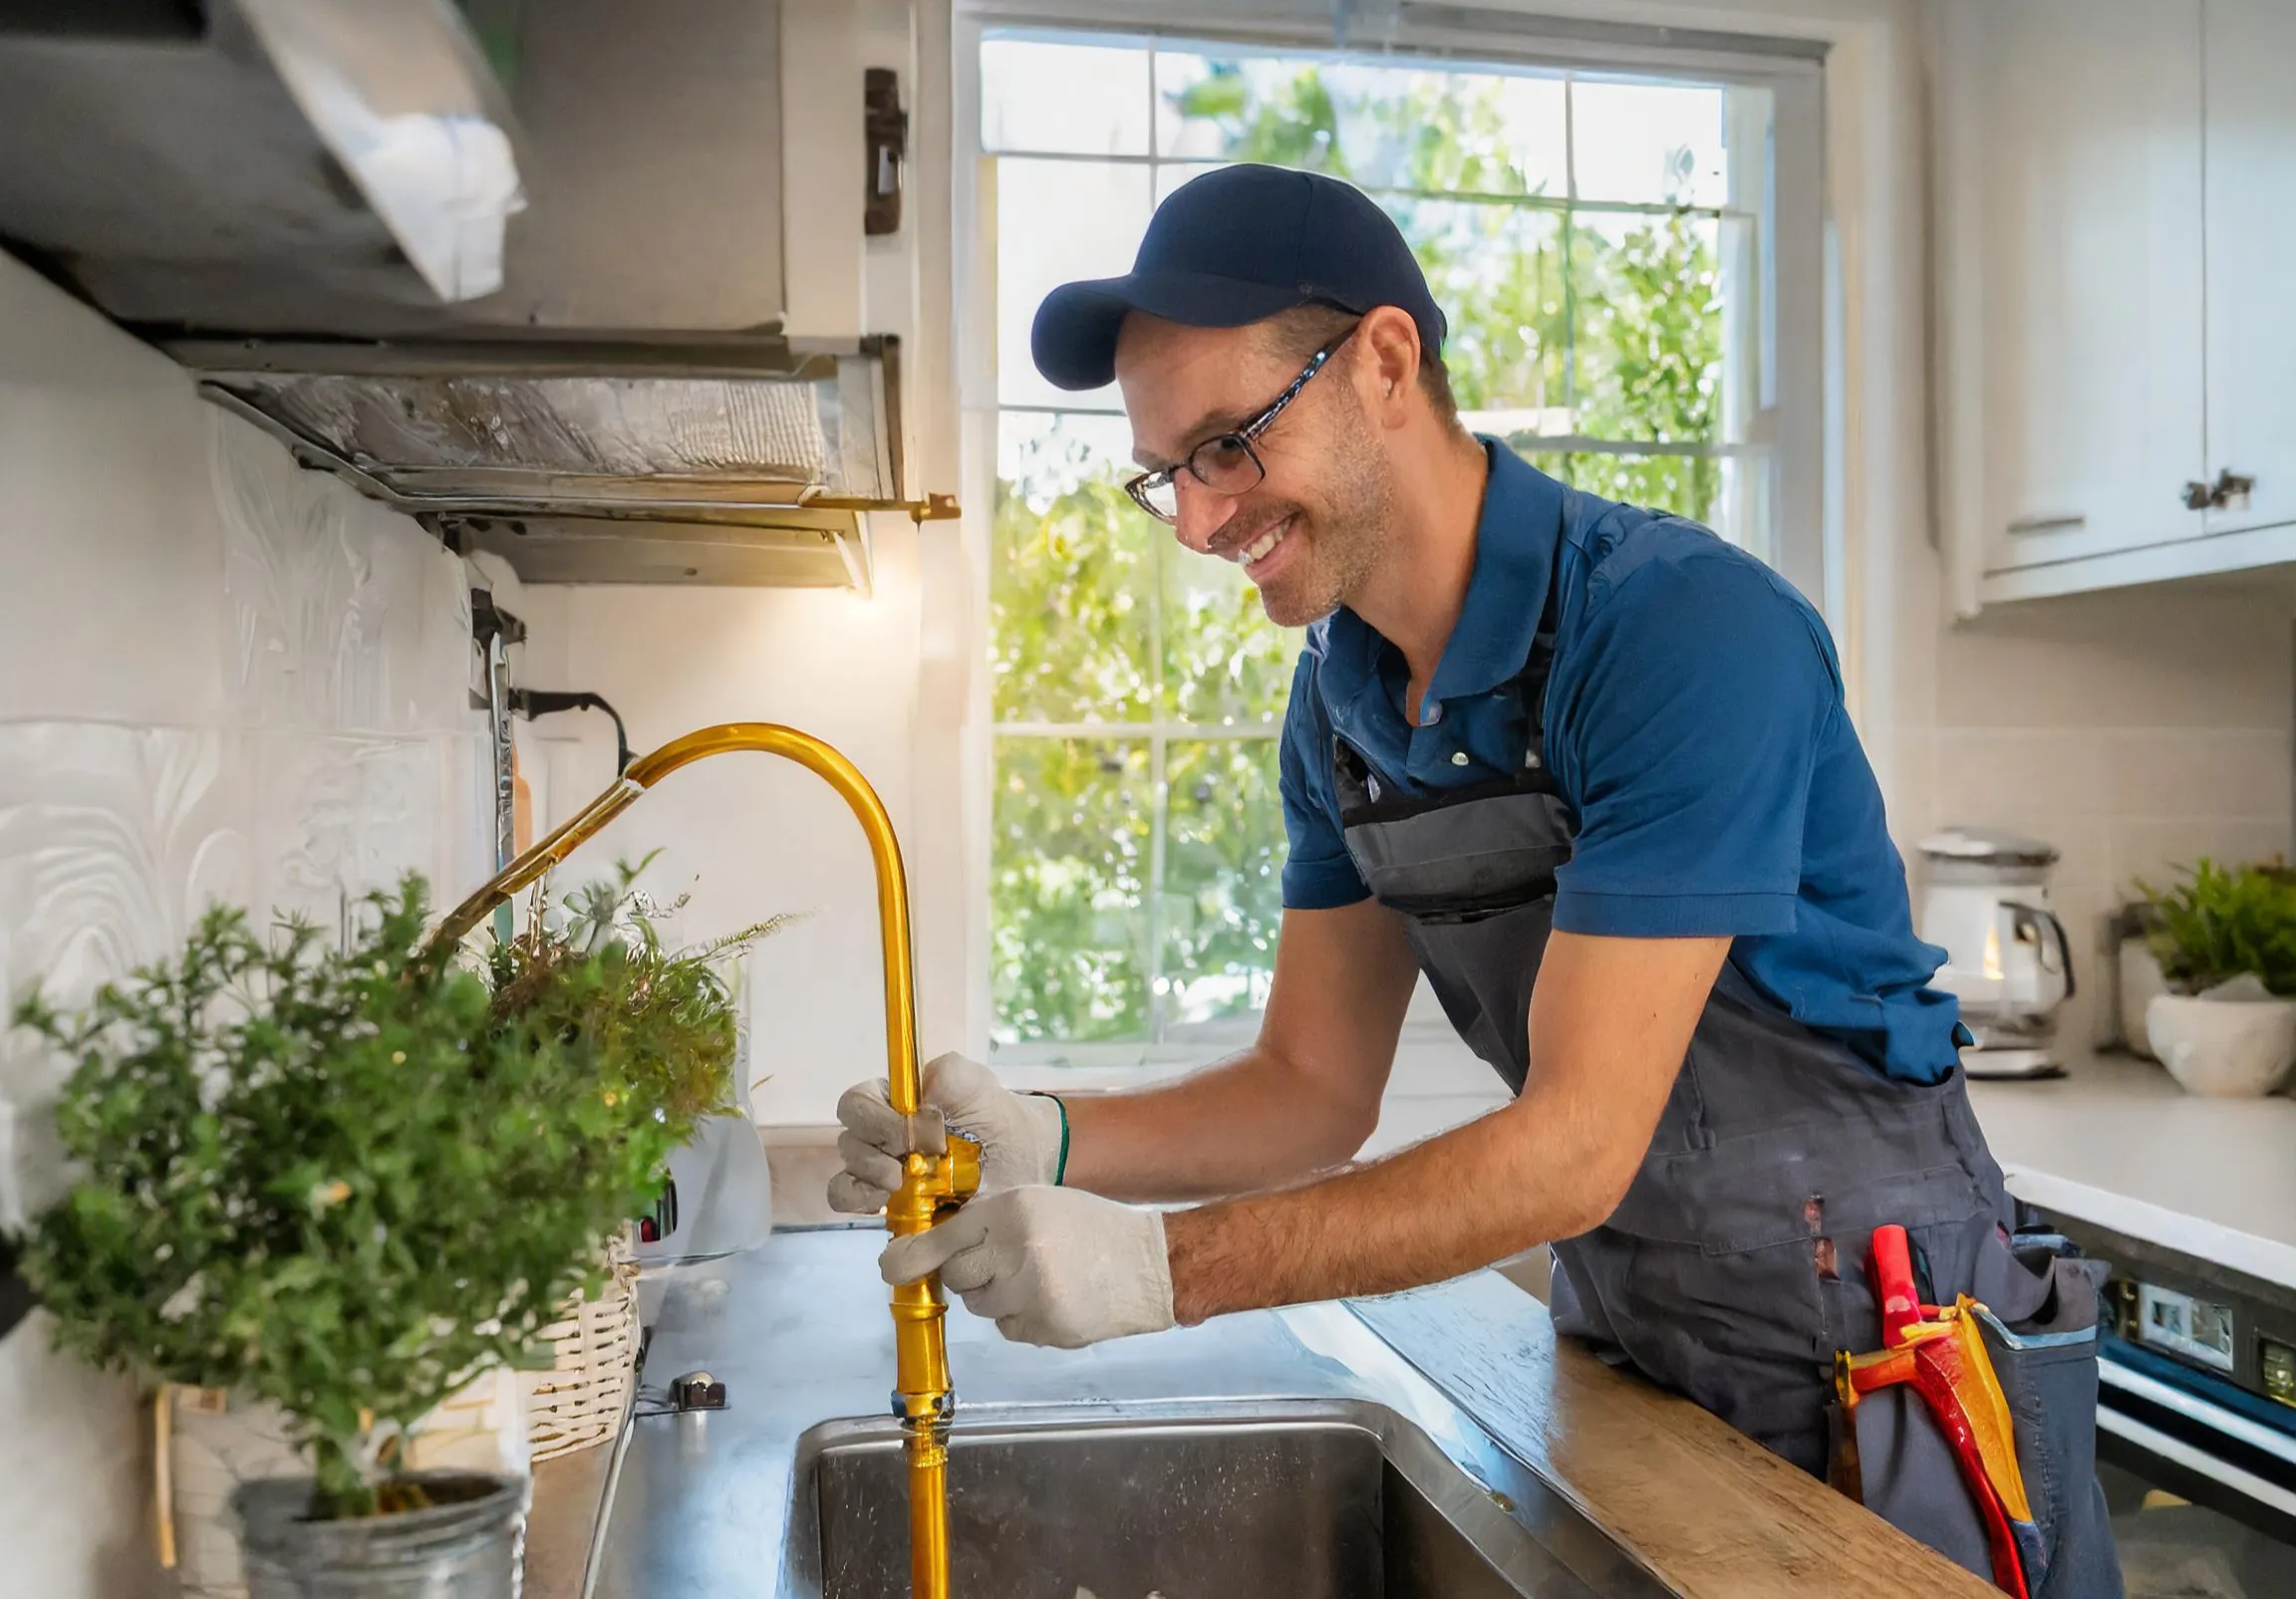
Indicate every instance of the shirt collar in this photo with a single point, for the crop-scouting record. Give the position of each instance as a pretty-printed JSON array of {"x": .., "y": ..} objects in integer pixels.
[{"x": 1515, "y": 545}]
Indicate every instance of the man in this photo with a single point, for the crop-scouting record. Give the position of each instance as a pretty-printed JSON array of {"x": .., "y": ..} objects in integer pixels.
[{"x": 1588, "y": 768}]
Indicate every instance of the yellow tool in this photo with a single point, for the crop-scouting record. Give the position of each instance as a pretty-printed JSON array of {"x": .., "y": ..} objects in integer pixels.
[
  {"x": 1939, "y": 1352},
  {"x": 932, "y": 1186}
]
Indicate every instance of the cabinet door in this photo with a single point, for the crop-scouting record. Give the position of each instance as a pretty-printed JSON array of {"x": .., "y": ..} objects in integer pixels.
[
  {"x": 2251, "y": 210},
  {"x": 2087, "y": 156}
]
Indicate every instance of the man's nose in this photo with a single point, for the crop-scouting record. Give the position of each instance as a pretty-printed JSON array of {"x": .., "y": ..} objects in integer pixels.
[{"x": 1203, "y": 512}]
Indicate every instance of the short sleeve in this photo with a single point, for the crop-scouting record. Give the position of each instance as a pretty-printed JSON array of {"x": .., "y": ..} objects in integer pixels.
[
  {"x": 1689, "y": 727},
  {"x": 1318, "y": 873}
]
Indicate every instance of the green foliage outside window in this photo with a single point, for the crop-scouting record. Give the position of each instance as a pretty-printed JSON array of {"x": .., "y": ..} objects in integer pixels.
[{"x": 1097, "y": 616}]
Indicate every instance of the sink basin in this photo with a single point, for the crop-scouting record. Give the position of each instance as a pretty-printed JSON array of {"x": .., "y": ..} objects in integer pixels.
[{"x": 1341, "y": 1500}]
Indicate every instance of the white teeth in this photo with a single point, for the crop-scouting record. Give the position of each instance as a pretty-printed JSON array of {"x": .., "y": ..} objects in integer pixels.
[{"x": 1257, "y": 551}]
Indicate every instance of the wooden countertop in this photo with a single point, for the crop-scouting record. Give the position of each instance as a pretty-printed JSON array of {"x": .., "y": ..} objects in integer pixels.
[{"x": 1710, "y": 1511}]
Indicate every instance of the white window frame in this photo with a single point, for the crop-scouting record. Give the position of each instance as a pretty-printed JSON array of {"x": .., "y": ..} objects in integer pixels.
[{"x": 1807, "y": 521}]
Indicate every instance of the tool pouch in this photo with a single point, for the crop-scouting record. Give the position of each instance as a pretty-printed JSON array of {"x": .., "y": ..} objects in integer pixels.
[{"x": 2041, "y": 1333}]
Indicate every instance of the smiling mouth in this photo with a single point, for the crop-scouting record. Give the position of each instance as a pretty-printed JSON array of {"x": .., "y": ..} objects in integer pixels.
[{"x": 1251, "y": 555}]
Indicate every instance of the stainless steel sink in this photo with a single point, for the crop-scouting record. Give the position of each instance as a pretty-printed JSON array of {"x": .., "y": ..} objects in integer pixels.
[
  {"x": 1300, "y": 1499},
  {"x": 1272, "y": 1455}
]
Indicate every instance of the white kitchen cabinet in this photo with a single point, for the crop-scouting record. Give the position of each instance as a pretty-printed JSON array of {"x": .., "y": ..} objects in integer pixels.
[
  {"x": 2116, "y": 222},
  {"x": 2250, "y": 117},
  {"x": 2071, "y": 298}
]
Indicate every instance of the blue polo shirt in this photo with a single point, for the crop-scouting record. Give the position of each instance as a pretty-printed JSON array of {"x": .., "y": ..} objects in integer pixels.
[{"x": 1695, "y": 725}]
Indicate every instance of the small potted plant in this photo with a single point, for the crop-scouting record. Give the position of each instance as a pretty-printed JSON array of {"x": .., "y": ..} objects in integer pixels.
[
  {"x": 2227, "y": 943},
  {"x": 662, "y": 1021},
  {"x": 345, "y": 1181},
  {"x": 666, "y": 1027}
]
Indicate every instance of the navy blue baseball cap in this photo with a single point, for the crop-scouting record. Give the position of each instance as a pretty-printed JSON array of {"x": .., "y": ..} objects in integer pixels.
[{"x": 1235, "y": 246}]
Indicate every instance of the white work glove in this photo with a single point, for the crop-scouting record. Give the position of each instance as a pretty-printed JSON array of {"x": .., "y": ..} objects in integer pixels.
[
  {"x": 1020, "y": 1135},
  {"x": 1055, "y": 1266}
]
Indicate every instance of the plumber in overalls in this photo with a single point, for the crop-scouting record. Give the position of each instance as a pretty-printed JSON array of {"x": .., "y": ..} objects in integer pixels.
[{"x": 1586, "y": 767}]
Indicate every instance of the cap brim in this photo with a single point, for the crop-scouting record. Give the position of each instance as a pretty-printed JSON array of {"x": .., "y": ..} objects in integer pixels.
[{"x": 1073, "y": 339}]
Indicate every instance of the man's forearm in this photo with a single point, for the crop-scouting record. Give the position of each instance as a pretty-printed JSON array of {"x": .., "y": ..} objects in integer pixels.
[
  {"x": 1494, "y": 1187},
  {"x": 1249, "y": 1123}
]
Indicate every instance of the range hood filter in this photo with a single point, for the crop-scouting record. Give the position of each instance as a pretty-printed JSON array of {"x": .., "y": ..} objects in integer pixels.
[{"x": 509, "y": 440}]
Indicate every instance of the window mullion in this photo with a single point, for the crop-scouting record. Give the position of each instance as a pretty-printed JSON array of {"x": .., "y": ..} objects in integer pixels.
[
  {"x": 1570, "y": 252},
  {"x": 1160, "y": 810},
  {"x": 1159, "y": 814}
]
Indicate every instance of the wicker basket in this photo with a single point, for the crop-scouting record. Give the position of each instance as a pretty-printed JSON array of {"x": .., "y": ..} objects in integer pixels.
[{"x": 579, "y": 1402}]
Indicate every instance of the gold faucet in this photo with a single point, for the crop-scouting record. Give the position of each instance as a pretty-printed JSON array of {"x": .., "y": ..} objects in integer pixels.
[{"x": 932, "y": 1186}]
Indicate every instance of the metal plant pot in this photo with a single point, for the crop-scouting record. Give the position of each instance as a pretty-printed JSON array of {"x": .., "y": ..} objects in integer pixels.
[{"x": 470, "y": 1548}]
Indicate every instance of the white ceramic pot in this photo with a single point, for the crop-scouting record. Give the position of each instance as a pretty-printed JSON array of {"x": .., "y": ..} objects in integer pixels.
[{"x": 2224, "y": 1048}]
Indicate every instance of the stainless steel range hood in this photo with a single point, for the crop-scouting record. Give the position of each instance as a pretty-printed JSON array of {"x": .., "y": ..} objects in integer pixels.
[{"x": 535, "y": 282}]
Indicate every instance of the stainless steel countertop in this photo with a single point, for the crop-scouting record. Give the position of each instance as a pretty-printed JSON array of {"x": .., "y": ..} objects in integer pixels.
[{"x": 798, "y": 1332}]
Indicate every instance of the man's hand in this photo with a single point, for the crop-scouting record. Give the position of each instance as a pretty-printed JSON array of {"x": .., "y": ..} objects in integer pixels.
[
  {"x": 1019, "y": 1133},
  {"x": 1055, "y": 1266}
]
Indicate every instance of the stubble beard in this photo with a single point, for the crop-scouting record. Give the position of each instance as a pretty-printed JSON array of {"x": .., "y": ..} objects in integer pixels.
[{"x": 1344, "y": 537}]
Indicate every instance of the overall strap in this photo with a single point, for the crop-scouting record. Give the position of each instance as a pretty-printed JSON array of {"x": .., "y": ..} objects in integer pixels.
[{"x": 1362, "y": 796}]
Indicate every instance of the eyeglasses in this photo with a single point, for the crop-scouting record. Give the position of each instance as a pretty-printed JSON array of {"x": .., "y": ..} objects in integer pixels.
[{"x": 1226, "y": 464}]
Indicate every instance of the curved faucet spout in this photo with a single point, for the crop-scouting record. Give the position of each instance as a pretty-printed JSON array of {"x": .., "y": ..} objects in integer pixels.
[
  {"x": 931, "y": 1185},
  {"x": 771, "y": 739}
]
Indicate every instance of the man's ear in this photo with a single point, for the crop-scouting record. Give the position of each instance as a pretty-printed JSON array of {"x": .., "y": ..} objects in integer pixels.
[{"x": 1391, "y": 344}]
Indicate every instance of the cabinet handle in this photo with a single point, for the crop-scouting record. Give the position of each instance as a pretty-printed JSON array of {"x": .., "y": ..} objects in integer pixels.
[
  {"x": 2229, "y": 487},
  {"x": 2047, "y": 524}
]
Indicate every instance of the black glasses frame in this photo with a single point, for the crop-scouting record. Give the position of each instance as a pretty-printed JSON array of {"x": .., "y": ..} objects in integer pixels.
[{"x": 1236, "y": 440}]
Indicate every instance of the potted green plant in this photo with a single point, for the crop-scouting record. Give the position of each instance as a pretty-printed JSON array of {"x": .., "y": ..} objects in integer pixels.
[
  {"x": 345, "y": 1181},
  {"x": 662, "y": 1021},
  {"x": 666, "y": 1027},
  {"x": 2225, "y": 940}
]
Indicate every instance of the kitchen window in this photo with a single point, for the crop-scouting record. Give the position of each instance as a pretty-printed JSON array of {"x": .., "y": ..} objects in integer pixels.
[{"x": 1606, "y": 245}]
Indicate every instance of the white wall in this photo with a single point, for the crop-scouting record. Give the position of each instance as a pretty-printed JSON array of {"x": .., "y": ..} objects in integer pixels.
[
  {"x": 752, "y": 836},
  {"x": 2135, "y": 731},
  {"x": 220, "y": 677}
]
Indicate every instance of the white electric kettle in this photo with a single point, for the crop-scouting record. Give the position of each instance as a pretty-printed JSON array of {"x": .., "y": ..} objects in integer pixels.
[{"x": 2008, "y": 960}]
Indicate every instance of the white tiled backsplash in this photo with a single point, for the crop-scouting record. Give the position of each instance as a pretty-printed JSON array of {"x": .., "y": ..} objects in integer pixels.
[
  {"x": 220, "y": 677},
  {"x": 2136, "y": 732}
]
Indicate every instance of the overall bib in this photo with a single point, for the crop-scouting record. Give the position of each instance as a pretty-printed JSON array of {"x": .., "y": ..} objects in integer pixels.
[{"x": 1735, "y": 1266}]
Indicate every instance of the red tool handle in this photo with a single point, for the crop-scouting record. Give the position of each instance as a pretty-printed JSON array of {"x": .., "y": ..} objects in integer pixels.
[
  {"x": 1893, "y": 1279},
  {"x": 1933, "y": 1365}
]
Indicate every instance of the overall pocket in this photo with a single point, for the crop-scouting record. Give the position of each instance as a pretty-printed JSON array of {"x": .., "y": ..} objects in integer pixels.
[
  {"x": 2040, "y": 1331},
  {"x": 2047, "y": 1365}
]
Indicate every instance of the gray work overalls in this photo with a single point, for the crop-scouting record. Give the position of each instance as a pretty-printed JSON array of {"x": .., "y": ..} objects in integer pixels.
[{"x": 1735, "y": 1266}]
